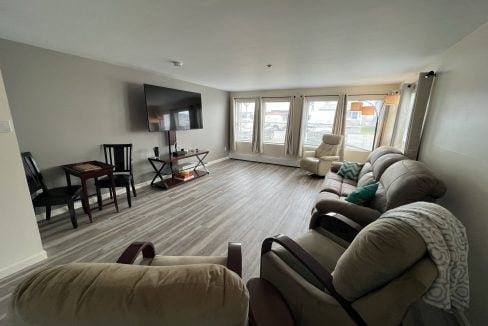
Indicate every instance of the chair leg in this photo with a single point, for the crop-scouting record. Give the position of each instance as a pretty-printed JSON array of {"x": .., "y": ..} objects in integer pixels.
[
  {"x": 127, "y": 190},
  {"x": 110, "y": 191},
  {"x": 99, "y": 198},
  {"x": 48, "y": 212},
  {"x": 72, "y": 214},
  {"x": 133, "y": 186}
]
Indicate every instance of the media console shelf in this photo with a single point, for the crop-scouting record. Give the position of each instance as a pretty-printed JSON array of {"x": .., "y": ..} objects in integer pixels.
[{"x": 170, "y": 160}]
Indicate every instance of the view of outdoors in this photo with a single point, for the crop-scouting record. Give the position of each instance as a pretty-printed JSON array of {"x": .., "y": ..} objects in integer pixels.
[
  {"x": 320, "y": 118},
  {"x": 275, "y": 120},
  {"x": 244, "y": 119},
  {"x": 360, "y": 125}
]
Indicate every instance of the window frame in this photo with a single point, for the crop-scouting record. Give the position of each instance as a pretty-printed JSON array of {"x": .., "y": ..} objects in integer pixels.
[
  {"x": 265, "y": 100},
  {"x": 237, "y": 118},
  {"x": 321, "y": 98},
  {"x": 363, "y": 98}
]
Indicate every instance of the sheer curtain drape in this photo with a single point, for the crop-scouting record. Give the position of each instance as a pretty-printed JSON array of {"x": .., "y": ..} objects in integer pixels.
[
  {"x": 257, "y": 134},
  {"x": 294, "y": 128},
  {"x": 232, "y": 125},
  {"x": 339, "y": 127}
]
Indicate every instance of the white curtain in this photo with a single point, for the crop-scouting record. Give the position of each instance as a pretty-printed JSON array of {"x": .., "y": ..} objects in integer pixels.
[
  {"x": 380, "y": 125},
  {"x": 257, "y": 134},
  {"x": 294, "y": 130},
  {"x": 419, "y": 112},
  {"x": 339, "y": 127},
  {"x": 232, "y": 125},
  {"x": 404, "y": 113}
]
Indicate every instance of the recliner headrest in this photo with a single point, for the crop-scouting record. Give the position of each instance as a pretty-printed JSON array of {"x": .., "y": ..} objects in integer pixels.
[{"x": 332, "y": 139}]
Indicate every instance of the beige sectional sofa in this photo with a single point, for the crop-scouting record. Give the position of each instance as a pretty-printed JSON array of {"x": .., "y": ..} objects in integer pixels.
[{"x": 401, "y": 181}]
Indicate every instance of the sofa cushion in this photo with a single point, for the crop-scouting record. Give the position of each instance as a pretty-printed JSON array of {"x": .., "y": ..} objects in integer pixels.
[
  {"x": 366, "y": 169},
  {"x": 366, "y": 179},
  {"x": 320, "y": 247},
  {"x": 362, "y": 195},
  {"x": 350, "y": 170},
  {"x": 405, "y": 182},
  {"x": 380, "y": 151},
  {"x": 119, "y": 294},
  {"x": 388, "y": 242},
  {"x": 384, "y": 162}
]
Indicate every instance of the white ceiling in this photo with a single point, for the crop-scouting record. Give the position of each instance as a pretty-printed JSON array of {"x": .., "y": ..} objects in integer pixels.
[{"x": 227, "y": 43}]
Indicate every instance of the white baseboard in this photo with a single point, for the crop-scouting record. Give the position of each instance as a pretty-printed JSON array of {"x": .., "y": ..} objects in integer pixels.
[
  {"x": 93, "y": 200},
  {"x": 26, "y": 262},
  {"x": 266, "y": 159}
]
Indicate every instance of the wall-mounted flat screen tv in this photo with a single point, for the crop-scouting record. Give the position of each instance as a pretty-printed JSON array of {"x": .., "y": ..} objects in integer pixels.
[{"x": 172, "y": 109}]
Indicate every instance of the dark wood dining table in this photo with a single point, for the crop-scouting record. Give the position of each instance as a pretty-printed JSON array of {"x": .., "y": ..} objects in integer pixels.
[{"x": 102, "y": 169}]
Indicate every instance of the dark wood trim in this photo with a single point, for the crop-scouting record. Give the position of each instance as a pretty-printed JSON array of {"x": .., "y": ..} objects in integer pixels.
[
  {"x": 314, "y": 267},
  {"x": 267, "y": 307},
  {"x": 130, "y": 254},
  {"x": 234, "y": 257},
  {"x": 337, "y": 224}
]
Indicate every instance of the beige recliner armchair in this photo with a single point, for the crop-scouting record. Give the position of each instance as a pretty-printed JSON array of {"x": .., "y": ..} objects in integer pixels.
[
  {"x": 372, "y": 282},
  {"x": 319, "y": 161},
  {"x": 173, "y": 290}
]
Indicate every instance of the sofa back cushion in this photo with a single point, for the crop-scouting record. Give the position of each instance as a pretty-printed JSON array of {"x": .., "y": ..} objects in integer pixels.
[
  {"x": 405, "y": 182},
  {"x": 381, "y": 252},
  {"x": 117, "y": 294},
  {"x": 367, "y": 175},
  {"x": 380, "y": 151}
]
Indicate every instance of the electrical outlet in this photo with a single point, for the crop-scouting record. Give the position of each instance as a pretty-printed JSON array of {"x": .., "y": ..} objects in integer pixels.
[{"x": 5, "y": 127}]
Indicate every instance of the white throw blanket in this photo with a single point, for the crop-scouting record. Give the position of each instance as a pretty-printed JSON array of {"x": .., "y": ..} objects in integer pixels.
[{"x": 447, "y": 244}]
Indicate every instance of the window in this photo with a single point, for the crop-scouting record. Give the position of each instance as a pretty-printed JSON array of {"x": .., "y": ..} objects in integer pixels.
[
  {"x": 275, "y": 120},
  {"x": 320, "y": 119},
  {"x": 361, "y": 118},
  {"x": 244, "y": 119}
]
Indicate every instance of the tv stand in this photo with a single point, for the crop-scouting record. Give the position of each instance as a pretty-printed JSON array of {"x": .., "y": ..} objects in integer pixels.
[{"x": 198, "y": 171}]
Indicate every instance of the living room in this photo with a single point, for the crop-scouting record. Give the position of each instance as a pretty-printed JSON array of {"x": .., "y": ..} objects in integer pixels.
[{"x": 372, "y": 85}]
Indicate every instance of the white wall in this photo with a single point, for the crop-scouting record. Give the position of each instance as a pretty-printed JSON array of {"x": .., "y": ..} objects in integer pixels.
[
  {"x": 276, "y": 153},
  {"x": 455, "y": 146},
  {"x": 20, "y": 242},
  {"x": 66, "y": 106}
]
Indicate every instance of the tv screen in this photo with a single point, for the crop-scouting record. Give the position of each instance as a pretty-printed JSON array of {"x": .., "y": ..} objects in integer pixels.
[{"x": 172, "y": 109}]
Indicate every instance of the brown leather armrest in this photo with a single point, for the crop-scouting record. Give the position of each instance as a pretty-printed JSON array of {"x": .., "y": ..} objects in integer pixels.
[
  {"x": 130, "y": 254},
  {"x": 267, "y": 307},
  {"x": 337, "y": 224},
  {"x": 234, "y": 257},
  {"x": 314, "y": 267}
]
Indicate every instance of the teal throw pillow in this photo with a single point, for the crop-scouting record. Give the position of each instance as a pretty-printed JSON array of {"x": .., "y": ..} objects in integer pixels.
[
  {"x": 363, "y": 194},
  {"x": 350, "y": 170}
]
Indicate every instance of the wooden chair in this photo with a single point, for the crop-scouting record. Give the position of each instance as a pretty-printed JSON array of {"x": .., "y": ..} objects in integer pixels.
[
  {"x": 120, "y": 156},
  {"x": 49, "y": 197}
]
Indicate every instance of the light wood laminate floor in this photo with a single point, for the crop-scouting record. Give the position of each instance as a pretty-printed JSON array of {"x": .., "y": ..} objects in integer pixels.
[{"x": 239, "y": 201}]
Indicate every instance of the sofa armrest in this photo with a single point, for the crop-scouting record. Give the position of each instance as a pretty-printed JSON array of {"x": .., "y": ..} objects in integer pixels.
[
  {"x": 267, "y": 307},
  {"x": 336, "y": 224},
  {"x": 359, "y": 214},
  {"x": 308, "y": 154},
  {"x": 335, "y": 166},
  {"x": 130, "y": 254},
  {"x": 329, "y": 158},
  {"x": 314, "y": 267}
]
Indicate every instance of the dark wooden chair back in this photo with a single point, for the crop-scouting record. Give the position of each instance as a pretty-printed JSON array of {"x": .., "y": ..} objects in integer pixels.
[
  {"x": 32, "y": 173},
  {"x": 120, "y": 156}
]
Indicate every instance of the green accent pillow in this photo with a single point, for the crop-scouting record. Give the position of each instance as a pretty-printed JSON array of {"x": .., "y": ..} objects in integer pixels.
[
  {"x": 350, "y": 170},
  {"x": 363, "y": 194}
]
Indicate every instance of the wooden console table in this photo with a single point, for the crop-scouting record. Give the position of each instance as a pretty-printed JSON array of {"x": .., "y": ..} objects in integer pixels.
[
  {"x": 104, "y": 170},
  {"x": 169, "y": 160}
]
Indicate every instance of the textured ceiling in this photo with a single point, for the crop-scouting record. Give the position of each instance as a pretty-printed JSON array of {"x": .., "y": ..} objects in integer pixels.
[{"x": 227, "y": 43}]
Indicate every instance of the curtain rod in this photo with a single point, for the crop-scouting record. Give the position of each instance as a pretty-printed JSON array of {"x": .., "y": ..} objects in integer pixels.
[{"x": 318, "y": 95}]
